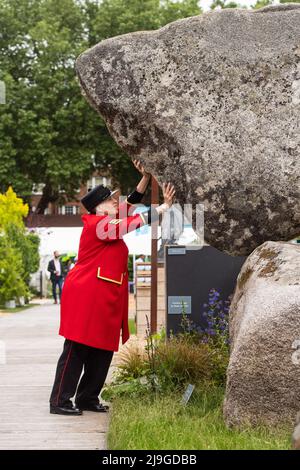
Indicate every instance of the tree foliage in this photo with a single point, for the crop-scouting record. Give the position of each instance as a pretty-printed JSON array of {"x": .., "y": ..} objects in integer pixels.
[
  {"x": 48, "y": 132},
  {"x": 224, "y": 4},
  {"x": 261, "y": 4}
]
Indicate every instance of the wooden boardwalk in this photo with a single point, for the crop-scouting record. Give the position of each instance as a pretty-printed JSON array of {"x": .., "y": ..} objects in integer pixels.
[{"x": 32, "y": 346}]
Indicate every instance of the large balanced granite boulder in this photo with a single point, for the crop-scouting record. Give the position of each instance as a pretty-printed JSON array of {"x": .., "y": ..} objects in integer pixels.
[
  {"x": 263, "y": 377},
  {"x": 211, "y": 103}
]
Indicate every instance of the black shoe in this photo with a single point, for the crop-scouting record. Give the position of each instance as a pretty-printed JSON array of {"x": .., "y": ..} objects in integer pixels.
[
  {"x": 99, "y": 408},
  {"x": 67, "y": 410}
]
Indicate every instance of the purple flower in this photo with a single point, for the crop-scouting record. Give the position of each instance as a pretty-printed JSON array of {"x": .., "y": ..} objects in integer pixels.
[{"x": 216, "y": 317}]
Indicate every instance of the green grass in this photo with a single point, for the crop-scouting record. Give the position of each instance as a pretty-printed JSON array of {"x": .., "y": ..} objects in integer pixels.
[
  {"x": 132, "y": 326},
  {"x": 162, "y": 423},
  {"x": 17, "y": 309}
]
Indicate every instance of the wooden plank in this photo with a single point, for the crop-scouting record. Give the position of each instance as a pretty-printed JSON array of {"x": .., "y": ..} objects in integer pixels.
[
  {"x": 154, "y": 232},
  {"x": 32, "y": 348}
]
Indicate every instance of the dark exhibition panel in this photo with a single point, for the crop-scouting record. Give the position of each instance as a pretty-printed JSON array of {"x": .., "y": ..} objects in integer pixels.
[{"x": 191, "y": 271}]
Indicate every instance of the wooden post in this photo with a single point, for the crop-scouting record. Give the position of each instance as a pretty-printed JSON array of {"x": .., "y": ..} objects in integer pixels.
[{"x": 154, "y": 232}]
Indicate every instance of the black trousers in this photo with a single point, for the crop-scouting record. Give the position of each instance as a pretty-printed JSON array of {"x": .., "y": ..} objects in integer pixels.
[
  {"x": 58, "y": 281},
  {"x": 74, "y": 358}
]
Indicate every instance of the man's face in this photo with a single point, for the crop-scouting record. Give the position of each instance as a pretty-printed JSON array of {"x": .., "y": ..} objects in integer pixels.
[
  {"x": 56, "y": 254},
  {"x": 109, "y": 206}
]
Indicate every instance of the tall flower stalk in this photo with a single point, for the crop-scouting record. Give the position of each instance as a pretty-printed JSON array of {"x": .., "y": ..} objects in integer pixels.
[
  {"x": 216, "y": 313},
  {"x": 150, "y": 350}
]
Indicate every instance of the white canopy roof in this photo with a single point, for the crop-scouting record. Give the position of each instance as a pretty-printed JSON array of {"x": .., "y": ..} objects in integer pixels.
[{"x": 66, "y": 239}]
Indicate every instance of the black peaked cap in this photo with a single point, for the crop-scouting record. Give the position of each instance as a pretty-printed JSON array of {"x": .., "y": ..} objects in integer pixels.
[{"x": 94, "y": 196}]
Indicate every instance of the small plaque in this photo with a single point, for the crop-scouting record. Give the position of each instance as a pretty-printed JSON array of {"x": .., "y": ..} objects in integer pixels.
[
  {"x": 176, "y": 251},
  {"x": 175, "y": 304},
  {"x": 187, "y": 394}
]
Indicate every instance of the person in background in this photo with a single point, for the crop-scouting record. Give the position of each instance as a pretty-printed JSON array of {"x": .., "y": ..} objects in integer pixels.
[
  {"x": 56, "y": 274},
  {"x": 139, "y": 267},
  {"x": 70, "y": 265},
  {"x": 141, "y": 259}
]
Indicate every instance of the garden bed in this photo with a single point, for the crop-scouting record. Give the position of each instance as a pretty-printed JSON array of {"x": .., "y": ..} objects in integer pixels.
[{"x": 148, "y": 387}]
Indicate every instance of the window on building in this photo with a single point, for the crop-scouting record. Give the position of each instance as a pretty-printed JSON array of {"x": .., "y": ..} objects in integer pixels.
[
  {"x": 61, "y": 190},
  {"x": 96, "y": 180},
  {"x": 68, "y": 210}
]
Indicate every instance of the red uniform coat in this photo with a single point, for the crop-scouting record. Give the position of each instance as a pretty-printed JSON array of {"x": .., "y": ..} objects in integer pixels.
[{"x": 94, "y": 300}]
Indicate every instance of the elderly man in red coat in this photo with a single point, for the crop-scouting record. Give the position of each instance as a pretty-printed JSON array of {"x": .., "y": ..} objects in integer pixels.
[{"x": 94, "y": 301}]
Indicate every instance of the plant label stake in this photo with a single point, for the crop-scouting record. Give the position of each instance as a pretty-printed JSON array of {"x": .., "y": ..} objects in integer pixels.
[{"x": 187, "y": 394}]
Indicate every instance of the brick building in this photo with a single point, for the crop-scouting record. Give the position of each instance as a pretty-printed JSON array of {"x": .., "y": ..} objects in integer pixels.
[{"x": 62, "y": 215}]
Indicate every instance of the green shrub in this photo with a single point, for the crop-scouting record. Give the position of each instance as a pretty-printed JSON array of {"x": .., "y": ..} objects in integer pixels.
[
  {"x": 170, "y": 364},
  {"x": 27, "y": 244},
  {"x": 130, "y": 267},
  {"x": 19, "y": 249},
  {"x": 179, "y": 362},
  {"x": 12, "y": 285},
  {"x": 133, "y": 364},
  {"x": 195, "y": 355}
]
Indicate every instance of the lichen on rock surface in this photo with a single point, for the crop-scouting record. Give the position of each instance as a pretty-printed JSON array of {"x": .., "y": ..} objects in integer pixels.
[
  {"x": 211, "y": 103},
  {"x": 263, "y": 377}
]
